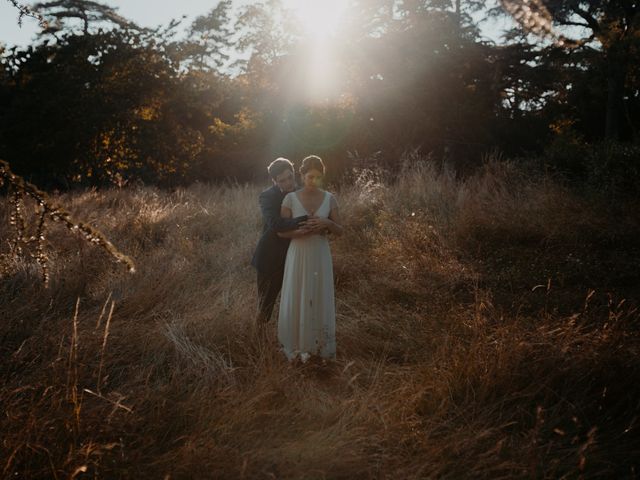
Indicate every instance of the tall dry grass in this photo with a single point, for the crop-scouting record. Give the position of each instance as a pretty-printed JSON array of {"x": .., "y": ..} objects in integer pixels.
[{"x": 487, "y": 328}]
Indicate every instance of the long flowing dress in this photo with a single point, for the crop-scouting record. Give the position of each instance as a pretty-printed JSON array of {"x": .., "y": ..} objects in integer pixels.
[{"x": 307, "y": 318}]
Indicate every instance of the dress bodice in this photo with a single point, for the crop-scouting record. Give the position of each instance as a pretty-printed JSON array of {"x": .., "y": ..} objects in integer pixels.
[{"x": 293, "y": 202}]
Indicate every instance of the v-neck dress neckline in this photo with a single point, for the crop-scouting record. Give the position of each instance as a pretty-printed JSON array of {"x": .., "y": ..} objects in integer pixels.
[{"x": 324, "y": 198}]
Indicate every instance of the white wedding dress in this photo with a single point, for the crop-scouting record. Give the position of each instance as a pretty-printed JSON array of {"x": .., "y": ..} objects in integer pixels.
[{"x": 307, "y": 319}]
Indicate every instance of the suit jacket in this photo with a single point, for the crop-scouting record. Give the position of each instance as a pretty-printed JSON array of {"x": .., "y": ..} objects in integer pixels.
[{"x": 271, "y": 251}]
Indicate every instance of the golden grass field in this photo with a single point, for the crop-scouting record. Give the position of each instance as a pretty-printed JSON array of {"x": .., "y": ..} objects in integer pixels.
[{"x": 486, "y": 327}]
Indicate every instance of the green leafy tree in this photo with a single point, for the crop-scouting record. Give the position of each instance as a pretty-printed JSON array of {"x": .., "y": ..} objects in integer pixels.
[
  {"x": 609, "y": 29},
  {"x": 210, "y": 39},
  {"x": 96, "y": 108},
  {"x": 421, "y": 79},
  {"x": 58, "y": 14}
]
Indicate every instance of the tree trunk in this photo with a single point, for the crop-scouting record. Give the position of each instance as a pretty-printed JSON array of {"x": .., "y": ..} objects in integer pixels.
[{"x": 617, "y": 66}]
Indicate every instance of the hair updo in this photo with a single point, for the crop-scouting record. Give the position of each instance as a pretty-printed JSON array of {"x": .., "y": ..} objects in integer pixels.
[{"x": 312, "y": 162}]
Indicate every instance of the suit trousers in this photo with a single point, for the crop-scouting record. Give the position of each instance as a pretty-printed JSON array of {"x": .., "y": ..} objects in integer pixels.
[{"x": 269, "y": 286}]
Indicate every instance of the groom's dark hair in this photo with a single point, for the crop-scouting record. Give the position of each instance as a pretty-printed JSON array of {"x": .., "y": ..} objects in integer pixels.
[{"x": 278, "y": 166}]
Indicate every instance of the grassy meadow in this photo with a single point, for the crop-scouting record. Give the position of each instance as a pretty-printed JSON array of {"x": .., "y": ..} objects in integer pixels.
[{"x": 487, "y": 327}]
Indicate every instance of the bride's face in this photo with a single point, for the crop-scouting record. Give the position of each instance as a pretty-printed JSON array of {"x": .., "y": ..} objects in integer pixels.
[{"x": 312, "y": 179}]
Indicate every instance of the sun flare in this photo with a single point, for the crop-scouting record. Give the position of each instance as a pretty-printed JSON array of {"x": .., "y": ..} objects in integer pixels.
[
  {"x": 319, "y": 23},
  {"x": 318, "y": 18}
]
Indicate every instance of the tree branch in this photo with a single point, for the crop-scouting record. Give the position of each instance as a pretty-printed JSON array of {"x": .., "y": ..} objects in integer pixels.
[
  {"x": 587, "y": 17},
  {"x": 574, "y": 24},
  {"x": 25, "y": 11}
]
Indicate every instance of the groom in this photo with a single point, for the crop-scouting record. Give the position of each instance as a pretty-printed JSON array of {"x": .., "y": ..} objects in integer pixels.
[{"x": 271, "y": 251}]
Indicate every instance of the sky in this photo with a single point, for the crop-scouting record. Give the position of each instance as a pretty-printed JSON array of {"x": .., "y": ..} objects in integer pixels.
[
  {"x": 143, "y": 12},
  {"x": 146, "y": 13}
]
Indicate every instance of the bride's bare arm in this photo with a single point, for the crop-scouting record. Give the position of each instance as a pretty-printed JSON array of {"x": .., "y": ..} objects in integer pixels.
[{"x": 335, "y": 226}]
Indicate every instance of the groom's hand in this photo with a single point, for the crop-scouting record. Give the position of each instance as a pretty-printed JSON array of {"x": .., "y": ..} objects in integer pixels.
[
  {"x": 308, "y": 226},
  {"x": 304, "y": 228},
  {"x": 315, "y": 224}
]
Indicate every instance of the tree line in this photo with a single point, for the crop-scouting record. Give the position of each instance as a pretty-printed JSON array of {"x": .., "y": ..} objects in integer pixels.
[{"x": 99, "y": 100}]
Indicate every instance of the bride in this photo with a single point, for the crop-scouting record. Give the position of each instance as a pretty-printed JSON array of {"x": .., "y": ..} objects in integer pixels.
[{"x": 307, "y": 318}]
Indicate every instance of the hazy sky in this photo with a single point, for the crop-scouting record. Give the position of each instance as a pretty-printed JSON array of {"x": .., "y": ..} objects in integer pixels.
[{"x": 144, "y": 12}]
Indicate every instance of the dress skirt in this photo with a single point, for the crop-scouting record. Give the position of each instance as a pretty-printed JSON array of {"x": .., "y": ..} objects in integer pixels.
[{"x": 307, "y": 318}]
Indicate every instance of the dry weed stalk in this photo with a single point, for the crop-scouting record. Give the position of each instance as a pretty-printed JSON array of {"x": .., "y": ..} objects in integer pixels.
[
  {"x": 19, "y": 189},
  {"x": 104, "y": 346},
  {"x": 72, "y": 372}
]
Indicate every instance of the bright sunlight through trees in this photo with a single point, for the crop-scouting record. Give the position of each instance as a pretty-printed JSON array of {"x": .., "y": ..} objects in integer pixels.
[
  {"x": 319, "y": 23},
  {"x": 319, "y": 19}
]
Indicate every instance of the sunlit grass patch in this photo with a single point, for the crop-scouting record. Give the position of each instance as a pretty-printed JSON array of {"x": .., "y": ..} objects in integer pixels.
[{"x": 459, "y": 355}]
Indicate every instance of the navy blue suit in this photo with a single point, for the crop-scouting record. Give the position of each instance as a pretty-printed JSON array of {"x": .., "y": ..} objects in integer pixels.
[{"x": 271, "y": 250}]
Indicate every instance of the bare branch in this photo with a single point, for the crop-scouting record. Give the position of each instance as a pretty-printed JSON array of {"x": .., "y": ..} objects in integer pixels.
[
  {"x": 590, "y": 19},
  {"x": 21, "y": 189},
  {"x": 25, "y": 11}
]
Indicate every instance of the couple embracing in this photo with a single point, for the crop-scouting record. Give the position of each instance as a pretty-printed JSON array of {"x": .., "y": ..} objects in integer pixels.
[{"x": 293, "y": 255}]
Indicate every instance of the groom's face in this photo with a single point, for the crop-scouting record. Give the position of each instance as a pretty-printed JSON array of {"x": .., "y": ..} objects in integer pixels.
[{"x": 285, "y": 181}]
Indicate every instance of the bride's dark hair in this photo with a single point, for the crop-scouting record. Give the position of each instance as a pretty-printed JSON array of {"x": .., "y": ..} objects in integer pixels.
[{"x": 312, "y": 162}]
